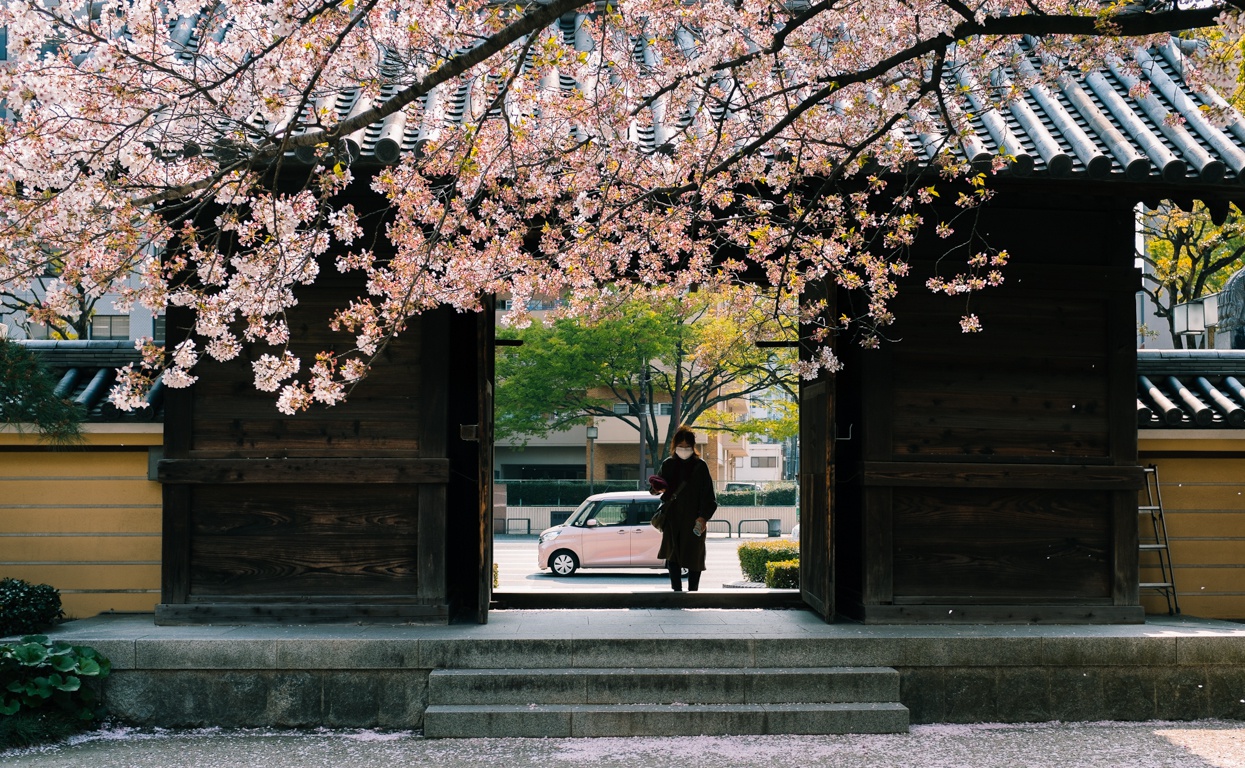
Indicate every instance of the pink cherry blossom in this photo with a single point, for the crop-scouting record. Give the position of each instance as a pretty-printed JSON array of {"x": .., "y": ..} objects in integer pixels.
[{"x": 556, "y": 149}]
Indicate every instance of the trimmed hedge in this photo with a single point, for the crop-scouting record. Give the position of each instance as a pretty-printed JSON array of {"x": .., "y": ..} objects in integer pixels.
[
  {"x": 558, "y": 493},
  {"x": 753, "y": 556},
  {"x": 771, "y": 495},
  {"x": 26, "y": 608},
  {"x": 782, "y": 574}
]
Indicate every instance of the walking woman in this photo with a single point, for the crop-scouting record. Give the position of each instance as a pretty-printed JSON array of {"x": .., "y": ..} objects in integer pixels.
[{"x": 690, "y": 504}]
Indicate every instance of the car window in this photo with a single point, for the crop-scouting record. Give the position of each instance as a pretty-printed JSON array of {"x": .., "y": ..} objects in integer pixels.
[
  {"x": 611, "y": 513},
  {"x": 645, "y": 510}
]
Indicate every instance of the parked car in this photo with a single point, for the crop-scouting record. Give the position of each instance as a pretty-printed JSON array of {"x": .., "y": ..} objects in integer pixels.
[{"x": 608, "y": 530}]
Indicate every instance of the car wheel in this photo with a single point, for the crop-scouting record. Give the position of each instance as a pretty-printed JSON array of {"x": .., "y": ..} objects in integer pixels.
[{"x": 564, "y": 562}]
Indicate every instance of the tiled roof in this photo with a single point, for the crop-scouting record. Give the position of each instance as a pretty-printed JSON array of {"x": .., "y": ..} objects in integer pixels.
[
  {"x": 1091, "y": 128},
  {"x": 1191, "y": 389},
  {"x": 85, "y": 372}
]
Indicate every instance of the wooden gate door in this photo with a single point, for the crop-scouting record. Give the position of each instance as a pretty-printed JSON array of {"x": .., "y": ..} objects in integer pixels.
[
  {"x": 486, "y": 350},
  {"x": 817, "y": 483}
]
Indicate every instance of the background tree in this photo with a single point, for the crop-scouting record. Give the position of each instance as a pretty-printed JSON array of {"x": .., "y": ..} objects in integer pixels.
[
  {"x": 652, "y": 143},
  {"x": 1189, "y": 256},
  {"x": 27, "y": 302},
  {"x": 694, "y": 352}
]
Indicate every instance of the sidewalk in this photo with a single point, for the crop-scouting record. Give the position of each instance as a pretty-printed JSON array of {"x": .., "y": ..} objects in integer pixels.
[{"x": 1204, "y": 744}]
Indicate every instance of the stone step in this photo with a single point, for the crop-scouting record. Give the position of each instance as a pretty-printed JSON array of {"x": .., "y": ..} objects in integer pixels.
[
  {"x": 775, "y": 685},
  {"x": 598, "y": 720}
]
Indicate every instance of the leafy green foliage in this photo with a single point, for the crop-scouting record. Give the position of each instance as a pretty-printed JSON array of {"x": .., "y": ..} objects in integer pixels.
[
  {"x": 42, "y": 685},
  {"x": 26, "y": 607},
  {"x": 30, "y": 727},
  {"x": 559, "y": 493},
  {"x": 771, "y": 495},
  {"x": 754, "y": 555},
  {"x": 694, "y": 353},
  {"x": 27, "y": 396},
  {"x": 1189, "y": 256},
  {"x": 782, "y": 574}
]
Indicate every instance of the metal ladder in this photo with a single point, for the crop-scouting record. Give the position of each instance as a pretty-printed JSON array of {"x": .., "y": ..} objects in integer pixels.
[{"x": 1158, "y": 542}]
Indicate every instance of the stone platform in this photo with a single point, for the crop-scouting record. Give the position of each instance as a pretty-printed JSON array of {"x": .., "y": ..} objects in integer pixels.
[{"x": 1169, "y": 668}]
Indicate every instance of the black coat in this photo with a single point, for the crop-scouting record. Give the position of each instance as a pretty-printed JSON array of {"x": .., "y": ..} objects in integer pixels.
[{"x": 679, "y": 546}]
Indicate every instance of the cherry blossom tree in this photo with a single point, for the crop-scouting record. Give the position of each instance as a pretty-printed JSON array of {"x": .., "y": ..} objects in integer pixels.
[{"x": 566, "y": 147}]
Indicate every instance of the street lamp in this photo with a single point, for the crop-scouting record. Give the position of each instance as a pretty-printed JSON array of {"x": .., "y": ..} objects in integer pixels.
[{"x": 592, "y": 464}]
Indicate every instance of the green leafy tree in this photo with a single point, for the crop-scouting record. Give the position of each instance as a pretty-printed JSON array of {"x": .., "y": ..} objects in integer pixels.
[
  {"x": 1189, "y": 256},
  {"x": 694, "y": 352}
]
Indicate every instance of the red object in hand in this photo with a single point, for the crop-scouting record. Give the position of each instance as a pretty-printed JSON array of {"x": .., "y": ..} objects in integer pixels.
[{"x": 658, "y": 482}]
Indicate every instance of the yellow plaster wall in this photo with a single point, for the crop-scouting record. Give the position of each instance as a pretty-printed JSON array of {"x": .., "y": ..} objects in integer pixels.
[
  {"x": 1202, "y": 482},
  {"x": 85, "y": 520}
]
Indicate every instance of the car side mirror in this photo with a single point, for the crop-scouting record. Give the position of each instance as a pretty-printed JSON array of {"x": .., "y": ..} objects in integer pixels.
[{"x": 592, "y": 523}]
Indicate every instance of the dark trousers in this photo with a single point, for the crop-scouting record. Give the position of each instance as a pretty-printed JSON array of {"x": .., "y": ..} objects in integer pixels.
[{"x": 676, "y": 579}]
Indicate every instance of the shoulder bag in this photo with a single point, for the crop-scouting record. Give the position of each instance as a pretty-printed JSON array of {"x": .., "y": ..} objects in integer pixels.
[{"x": 659, "y": 518}]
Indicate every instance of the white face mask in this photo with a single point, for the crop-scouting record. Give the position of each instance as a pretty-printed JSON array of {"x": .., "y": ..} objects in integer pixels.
[{"x": 683, "y": 453}]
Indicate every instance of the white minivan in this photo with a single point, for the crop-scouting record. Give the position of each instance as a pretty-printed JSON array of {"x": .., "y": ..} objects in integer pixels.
[{"x": 608, "y": 530}]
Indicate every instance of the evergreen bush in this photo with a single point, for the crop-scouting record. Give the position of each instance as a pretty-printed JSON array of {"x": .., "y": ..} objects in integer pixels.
[
  {"x": 753, "y": 555},
  {"x": 28, "y": 396},
  {"x": 780, "y": 495},
  {"x": 27, "y": 608},
  {"x": 782, "y": 574},
  {"x": 738, "y": 498}
]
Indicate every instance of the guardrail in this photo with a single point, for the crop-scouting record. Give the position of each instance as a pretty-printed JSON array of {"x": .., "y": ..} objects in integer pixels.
[{"x": 771, "y": 529}]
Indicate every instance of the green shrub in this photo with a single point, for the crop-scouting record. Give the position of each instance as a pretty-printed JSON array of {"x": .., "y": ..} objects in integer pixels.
[
  {"x": 780, "y": 495},
  {"x": 782, "y": 574},
  {"x": 43, "y": 690},
  {"x": 753, "y": 555},
  {"x": 559, "y": 493},
  {"x": 771, "y": 495},
  {"x": 27, "y": 608},
  {"x": 26, "y": 729},
  {"x": 737, "y": 498}
]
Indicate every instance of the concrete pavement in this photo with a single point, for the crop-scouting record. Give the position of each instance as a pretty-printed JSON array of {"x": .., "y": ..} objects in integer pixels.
[{"x": 1202, "y": 744}]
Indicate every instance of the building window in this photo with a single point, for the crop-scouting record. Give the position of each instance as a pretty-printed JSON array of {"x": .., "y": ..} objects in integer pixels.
[
  {"x": 665, "y": 409},
  {"x": 110, "y": 327},
  {"x": 157, "y": 328},
  {"x": 622, "y": 472},
  {"x": 764, "y": 462}
]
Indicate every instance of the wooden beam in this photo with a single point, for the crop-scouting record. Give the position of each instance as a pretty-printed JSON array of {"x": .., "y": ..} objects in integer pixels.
[
  {"x": 966, "y": 475},
  {"x": 321, "y": 470}
]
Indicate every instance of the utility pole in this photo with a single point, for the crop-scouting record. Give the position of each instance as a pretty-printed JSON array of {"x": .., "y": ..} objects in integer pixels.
[{"x": 643, "y": 416}]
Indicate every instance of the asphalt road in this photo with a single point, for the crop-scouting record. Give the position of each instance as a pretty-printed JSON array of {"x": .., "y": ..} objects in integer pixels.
[{"x": 515, "y": 556}]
